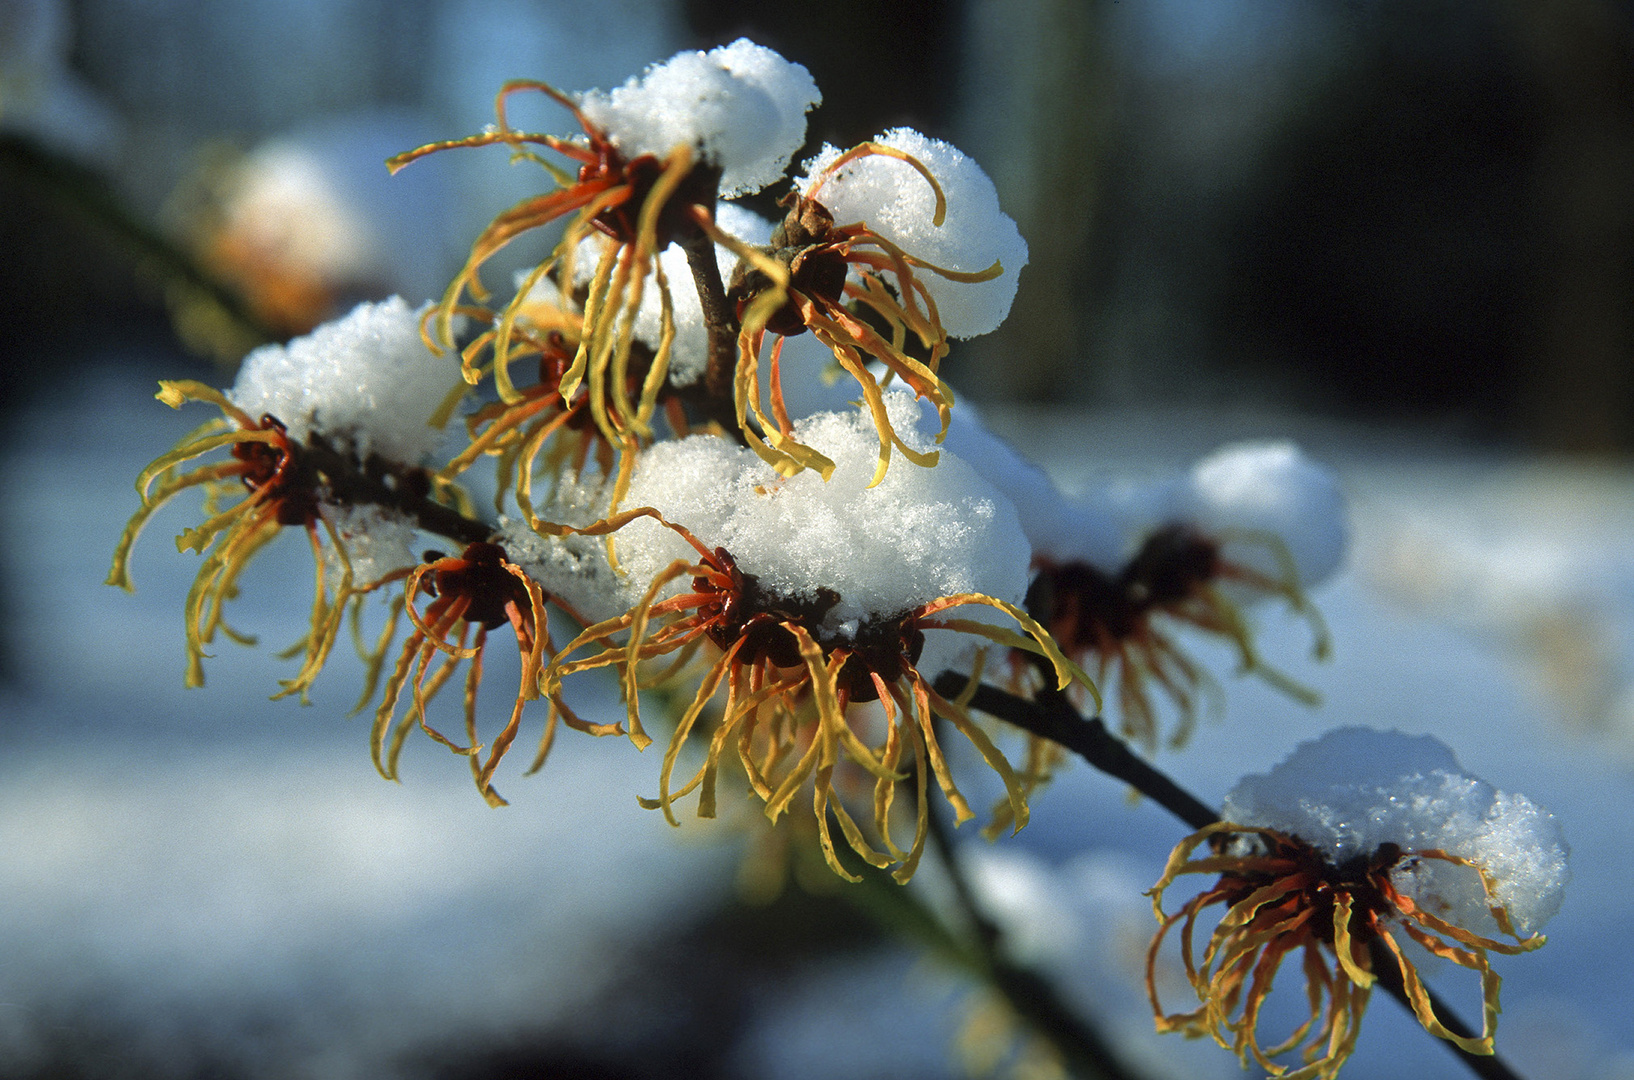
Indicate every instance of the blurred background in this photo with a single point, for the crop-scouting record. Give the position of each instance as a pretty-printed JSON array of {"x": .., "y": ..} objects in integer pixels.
[{"x": 1400, "y": 231}]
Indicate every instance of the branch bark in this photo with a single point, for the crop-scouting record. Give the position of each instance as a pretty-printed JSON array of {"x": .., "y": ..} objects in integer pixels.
[{"x": 378, "y": 482}]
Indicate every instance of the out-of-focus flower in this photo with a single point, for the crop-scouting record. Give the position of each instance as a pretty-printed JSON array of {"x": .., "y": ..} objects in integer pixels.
[
  {"x": 1114, "y": 623},
  {"x": 1359, "y": 840},
  {"x": 273, "y": 225},
  {"x": 1248, "y": 523}
]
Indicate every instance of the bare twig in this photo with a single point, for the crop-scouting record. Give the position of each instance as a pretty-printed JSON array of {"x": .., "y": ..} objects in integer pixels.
[{"x": 378, "y": 482}]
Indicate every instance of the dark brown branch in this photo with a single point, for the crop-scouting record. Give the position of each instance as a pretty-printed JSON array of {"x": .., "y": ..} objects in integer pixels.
[
  {"x": 378, "y": 482},
  {"x": 1053, "y": 717},
  {"x": 719, "y": 318}
]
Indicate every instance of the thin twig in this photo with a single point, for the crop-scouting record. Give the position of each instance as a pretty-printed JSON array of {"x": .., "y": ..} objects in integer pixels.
[
  {"x": 720, "y": 320},
  {"x": 1053, "y": 717}
]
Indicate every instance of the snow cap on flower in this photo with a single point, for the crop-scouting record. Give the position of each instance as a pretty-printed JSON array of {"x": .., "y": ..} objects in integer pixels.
[
  {"x": 741, "y": 105},
  {"x": 918, "y": 535},
  {"x": 1269, "y": 489},
  {"x": 366, "y": 379},
  {"x": 1355, "y": 789},
  {"x": 689, "y": 351},
  {"x": 1058, "y": 529},
  {"x": 893, "y": 199}
]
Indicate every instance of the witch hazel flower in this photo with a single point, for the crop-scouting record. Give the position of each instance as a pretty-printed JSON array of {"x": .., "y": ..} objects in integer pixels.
[
  {"x": 904, "y": 233},
  {"x": 1117, "y": 570},
  {"x": 808, "y": 599},
  {"x": 655, "y": 156},
  {"x": 549, "y": 428},
  {"x": 311, "y": 430},
  {"x": 558, "y": 435},
  {"x": 473, "y": 594},
  {"x": 1358, "y": 847}
]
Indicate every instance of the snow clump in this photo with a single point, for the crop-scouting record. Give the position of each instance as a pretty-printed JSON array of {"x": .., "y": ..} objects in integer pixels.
[
  {"x": 919, "y": 535},
  {"x": 366, "y": 380},
  {"x": 1355, "y": 789},
  {"x": 892, "y": 198},
  {"x": 378, "y": 541},
  {"x": 1269, "y": 489},
  {"x": 742, "y": 106}
]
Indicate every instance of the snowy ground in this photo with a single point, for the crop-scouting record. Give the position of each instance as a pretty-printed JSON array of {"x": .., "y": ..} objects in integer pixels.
[{"x": 206, "y": 869}]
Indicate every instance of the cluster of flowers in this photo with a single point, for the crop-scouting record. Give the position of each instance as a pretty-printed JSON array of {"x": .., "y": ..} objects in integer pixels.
[{"x": 681, "y": 475}]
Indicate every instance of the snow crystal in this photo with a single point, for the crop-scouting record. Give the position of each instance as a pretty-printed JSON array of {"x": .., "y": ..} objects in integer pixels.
[
  {"x": 366, "y": 380},
  {"x": 377, "y": 541},
  {"x": 919, "y": 535},
  {"x": 893, "y": 199},
  {"x": 689, "y": 352},
  {"x": 1270, "y": 489},
  {"x": 1354, "y": 789},
  {"x": 742, "y": 105}
]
